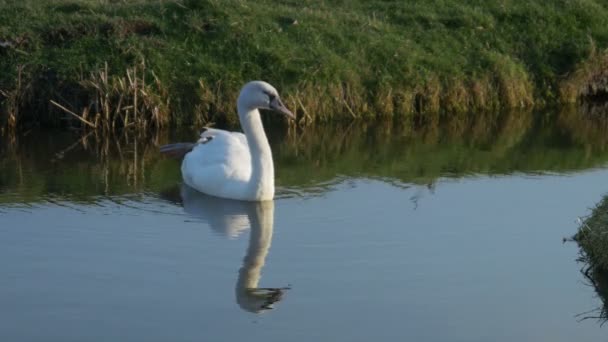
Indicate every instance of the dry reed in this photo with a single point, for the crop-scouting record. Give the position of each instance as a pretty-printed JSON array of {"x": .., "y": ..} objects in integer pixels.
[{"x": 135, "y": 99}]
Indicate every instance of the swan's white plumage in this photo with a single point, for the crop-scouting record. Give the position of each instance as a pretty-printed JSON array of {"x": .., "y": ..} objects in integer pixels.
[
  {"x": 236, "y": 165},
  {"x": 219, "y": 165}
]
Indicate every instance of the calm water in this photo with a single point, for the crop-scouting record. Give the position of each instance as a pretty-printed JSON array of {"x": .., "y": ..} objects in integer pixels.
[{"x": 452, "y": 232}]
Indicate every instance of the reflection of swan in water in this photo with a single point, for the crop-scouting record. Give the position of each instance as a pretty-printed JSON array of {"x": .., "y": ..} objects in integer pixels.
[
  {"x": 226, "y": 217},
  {"x": 248, "y": 295},
  {"x": 231, "y": 218}
]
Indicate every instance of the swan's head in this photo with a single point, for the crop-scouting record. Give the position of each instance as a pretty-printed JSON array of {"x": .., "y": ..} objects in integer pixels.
[{"x": 259, "y": 94}]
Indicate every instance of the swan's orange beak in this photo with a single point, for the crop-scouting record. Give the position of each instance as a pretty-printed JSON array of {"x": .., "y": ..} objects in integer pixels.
[{"x": 277, "y": 105}]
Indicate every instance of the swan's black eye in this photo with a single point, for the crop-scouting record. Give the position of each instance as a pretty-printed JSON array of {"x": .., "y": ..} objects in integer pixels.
[{"x": 270, "y": 96}]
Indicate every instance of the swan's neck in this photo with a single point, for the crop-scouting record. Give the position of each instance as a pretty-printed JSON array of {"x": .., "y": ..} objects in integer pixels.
[{"x": 262, "y": 168}]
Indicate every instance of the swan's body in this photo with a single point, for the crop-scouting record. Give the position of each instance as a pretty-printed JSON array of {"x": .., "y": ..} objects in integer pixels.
[
  {"x": 220, "y": 165},
  {"x": 235, "y": 165}
]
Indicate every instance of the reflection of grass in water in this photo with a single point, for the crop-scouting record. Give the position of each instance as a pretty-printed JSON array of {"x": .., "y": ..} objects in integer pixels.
[
  {"x": 310, "y": 161},
  {"x": 585, "y": 127},
  {"x": 493, "y": 144},
  {"x": 94, "y": 166},
  {"x": 592, "y": 238}
]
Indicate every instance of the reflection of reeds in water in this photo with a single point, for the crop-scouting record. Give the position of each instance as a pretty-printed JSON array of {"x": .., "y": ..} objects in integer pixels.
[
  {"x": 495, "y": 143},
  {"x": 312, "y": 159},
  {"x": 587, "y": 125},
  {"x": 39, "y": 165},
  {"x": 489, "y": 128}
]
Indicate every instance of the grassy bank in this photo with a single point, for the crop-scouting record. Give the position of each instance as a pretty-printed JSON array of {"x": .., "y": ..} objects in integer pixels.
[
  {"x": 156, "y": 62},
  {"x": 592, "y": 238}
]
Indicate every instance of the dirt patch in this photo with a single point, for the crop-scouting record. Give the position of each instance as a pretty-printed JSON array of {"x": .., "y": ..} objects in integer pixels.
[
  {"x": 139, "y": 27},
  {"x": 68, "y": 33}
]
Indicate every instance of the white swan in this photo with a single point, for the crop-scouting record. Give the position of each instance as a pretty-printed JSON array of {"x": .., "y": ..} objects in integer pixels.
[{"x": 234, "y": 165}]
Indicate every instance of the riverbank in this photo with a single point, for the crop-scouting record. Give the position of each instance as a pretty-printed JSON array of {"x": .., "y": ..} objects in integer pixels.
[
  {"x": 592, "y": 238},
  {"x": 158, "y": 63}
]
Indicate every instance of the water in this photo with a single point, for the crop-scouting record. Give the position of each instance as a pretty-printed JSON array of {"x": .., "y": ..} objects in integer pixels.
[{"x": 453, "y": 232}]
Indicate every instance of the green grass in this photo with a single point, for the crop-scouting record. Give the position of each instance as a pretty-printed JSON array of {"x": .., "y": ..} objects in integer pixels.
[{"x": 330, "y": 59}]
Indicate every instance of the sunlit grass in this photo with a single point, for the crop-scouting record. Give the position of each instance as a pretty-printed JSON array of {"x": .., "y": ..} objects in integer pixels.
[{"x": 330, "y": 59}]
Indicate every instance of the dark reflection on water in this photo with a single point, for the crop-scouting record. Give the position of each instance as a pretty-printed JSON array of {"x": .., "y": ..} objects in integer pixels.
[
  {"x": 598, "y": 279},
  {"x": 46, "y": 166},
  {"x": 230, "y": 218}
]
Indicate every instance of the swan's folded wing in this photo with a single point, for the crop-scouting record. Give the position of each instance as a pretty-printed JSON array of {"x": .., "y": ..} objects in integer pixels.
[
  {"x": 219, "y": 156},
  {"x": 232, "y": 137},
  {"x": 177, "y": 150}
]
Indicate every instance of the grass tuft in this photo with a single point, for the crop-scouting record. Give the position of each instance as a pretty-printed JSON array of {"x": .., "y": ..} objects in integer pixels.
[{"x": 592, "y": 237}]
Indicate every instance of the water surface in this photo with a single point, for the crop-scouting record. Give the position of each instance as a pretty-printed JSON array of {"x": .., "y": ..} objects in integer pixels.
[{"x": 450, "y": 232}]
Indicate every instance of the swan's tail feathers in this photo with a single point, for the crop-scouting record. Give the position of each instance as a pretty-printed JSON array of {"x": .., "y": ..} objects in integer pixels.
[{"x": 177, "y": 150}]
